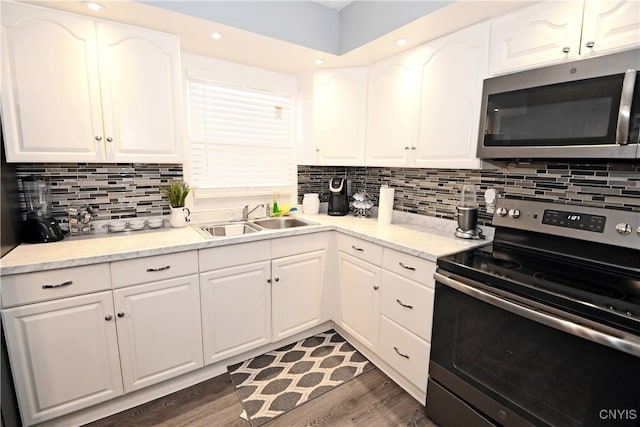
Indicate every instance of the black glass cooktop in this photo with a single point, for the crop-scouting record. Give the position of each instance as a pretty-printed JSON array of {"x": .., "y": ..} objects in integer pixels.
[{"x": 604, "y": 293}]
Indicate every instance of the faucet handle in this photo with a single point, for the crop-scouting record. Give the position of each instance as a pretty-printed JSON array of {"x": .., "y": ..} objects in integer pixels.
[{"x": 268, "y": 209}]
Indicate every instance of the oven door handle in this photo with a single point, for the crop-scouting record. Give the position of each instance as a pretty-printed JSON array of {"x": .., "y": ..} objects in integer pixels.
[{"x": 624, "y": 343}]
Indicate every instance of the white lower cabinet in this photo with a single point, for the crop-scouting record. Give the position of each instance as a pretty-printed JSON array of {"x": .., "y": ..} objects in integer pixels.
[
  {"x": 405, "y": 352},
  {"x": 259, "y": 292},
  {"x": 159, "y": 331},
  {"x": 297, "y": 283},
  {"x": 406, "y": 314},
  {"x": 359, "y": 285},
  {"x": 236, "y": 309},
  {"x": 64, "y": 355},
  {"x": 297, "y": 293}
]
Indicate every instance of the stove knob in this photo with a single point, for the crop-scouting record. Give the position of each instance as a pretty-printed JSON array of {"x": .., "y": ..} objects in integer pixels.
[
  {"x": 623, "y": 228},
  {"x": 501, "y": 211},
  {"x": 514, "y": 213}
]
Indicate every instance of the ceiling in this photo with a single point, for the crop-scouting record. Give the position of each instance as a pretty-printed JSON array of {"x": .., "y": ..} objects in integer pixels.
[
  {"x": 253, "y": 49},
  {"x": 337, "y": 5}
]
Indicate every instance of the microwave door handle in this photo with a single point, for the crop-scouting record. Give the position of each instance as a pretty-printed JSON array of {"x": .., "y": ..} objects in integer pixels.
[{"x": 624, "y": 113}]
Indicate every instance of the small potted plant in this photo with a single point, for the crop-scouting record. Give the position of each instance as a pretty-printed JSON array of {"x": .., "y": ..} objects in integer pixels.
[{"x": 177, "y": 192}]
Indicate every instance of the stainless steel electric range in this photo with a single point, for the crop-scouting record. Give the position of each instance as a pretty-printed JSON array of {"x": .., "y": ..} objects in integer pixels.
[{"x": 542, "y": 326}]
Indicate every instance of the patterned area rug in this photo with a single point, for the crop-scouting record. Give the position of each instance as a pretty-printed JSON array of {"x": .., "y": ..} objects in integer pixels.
[{"x": 278, "y": 381}]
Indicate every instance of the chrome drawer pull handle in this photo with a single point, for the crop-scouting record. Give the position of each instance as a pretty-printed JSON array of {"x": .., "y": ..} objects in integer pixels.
[
  {"x": 59, "y": 285},
  {"x": 407, "y": 267},
  {"x": 357, "y": 248},
  {"x": 404, "y": 305},
  {"x": 406, "y": 356},
  {"x": 151, "y": 270}
]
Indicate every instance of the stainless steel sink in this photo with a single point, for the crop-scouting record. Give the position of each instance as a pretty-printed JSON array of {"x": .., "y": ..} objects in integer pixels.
[
  {"x": 277, "y": 223},
  {"x": 227, "y": 229}
]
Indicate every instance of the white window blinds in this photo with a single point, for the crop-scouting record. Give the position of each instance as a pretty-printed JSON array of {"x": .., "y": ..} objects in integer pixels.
[{"x": 240, "y": 137}]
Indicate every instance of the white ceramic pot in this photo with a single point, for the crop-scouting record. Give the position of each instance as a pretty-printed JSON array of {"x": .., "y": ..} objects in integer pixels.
[{"x": 179, "y": 217}]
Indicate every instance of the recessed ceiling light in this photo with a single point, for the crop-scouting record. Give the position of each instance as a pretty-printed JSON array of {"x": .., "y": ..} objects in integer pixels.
[
  {"x": 401, "y": 42},
  {"x": 216, "y": 36},
  {"x": 96, "y": 7},
  {"x": 319, "y": 61}
]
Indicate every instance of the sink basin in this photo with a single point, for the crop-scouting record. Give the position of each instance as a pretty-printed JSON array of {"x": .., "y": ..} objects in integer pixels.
[
  {"x": 276, "y": 223},
  {"x": 227, "y": 229}
]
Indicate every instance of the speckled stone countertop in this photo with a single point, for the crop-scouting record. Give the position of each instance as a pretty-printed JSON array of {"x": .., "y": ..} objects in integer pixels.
[{"x": 421, "y": 236}]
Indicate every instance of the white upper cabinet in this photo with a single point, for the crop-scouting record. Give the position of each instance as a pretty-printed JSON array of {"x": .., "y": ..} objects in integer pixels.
[
  {"x": 340, "y": 102},
  {"x": 552, "y": 32},
  {"x": 391, "y": 111},
  {"x": 610, "y": 26},
  {"x": 452, "y": 70},
  {"x": 50, "y": 86},
  {"x": 79, "y": 90},
  {"x": 141, "y": 94}
]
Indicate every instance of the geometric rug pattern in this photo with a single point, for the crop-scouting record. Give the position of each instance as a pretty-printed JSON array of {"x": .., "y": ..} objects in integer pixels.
[{"x": 276, "y": 382}]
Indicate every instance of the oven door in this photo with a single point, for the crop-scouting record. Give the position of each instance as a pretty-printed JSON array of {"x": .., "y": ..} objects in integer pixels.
[{"x": 514, "y": 365}]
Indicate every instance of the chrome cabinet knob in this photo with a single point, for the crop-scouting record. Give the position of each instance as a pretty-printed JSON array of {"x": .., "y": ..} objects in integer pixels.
[
  {"x": 109, "y": 139},
  {"x": 566, "y": 49},
  {"x": 502, "y": 211},
  {"x": 623, "y": 228},
  {"x": 514, "y": 213},
  {"x": 589, "y": 44},
  {"x": 98, "y": 138},
  {"x": 108, "y": 317},
  {"x": 120, "y": 314}
]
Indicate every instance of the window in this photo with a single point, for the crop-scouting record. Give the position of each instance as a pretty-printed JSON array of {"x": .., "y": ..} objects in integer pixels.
[{"x": 241, "y": 130}]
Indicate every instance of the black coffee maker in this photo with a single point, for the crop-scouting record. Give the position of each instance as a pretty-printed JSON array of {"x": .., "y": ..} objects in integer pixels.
[
  {"x": 338, "y": 197},
  {"x": 40, "y": 226}
]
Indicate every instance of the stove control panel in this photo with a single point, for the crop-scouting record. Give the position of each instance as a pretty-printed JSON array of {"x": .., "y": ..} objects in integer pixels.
[
  {"x": 571, "y": 219},
  {"x": 610, "y": 226}
]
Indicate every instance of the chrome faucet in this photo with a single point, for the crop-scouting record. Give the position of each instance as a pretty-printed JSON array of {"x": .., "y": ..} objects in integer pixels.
[{"x": 246, "y": 212}]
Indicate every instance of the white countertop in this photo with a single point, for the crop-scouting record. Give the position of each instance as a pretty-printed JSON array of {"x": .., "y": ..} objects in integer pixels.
[{"x": 421, "y": 236}]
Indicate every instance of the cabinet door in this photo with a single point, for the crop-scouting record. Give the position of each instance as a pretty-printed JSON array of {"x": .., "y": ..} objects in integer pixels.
[
  {"x": 541, "y": 34},
  {"x": 391, "y": 112},
  {"x": 359, "y": 306},
  {"x": 159, "y": 330},
  {"x": 141, "y": 94},
  {"x": 236, "y": 310},
  {"x": 64, "y": 355},
  {"x": 340, "y": 102},
  {"x": 609, "y": 26},
  {"x": 297, "y": 293},
  {"x": 453, "y": 68},
  {"x": 50, "y": 88}
]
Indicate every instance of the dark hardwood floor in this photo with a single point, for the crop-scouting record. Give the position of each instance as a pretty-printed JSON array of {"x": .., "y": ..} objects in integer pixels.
[{"x": 370, "y": 400}]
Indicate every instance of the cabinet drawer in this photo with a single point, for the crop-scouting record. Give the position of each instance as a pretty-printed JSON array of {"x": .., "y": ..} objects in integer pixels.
[
  {"x": 233, "y": 255},
  {"x": 409, "y": 266},
  {"x": 53, "y": 284},
  {"x": 367, "y": 251},
  {"x": 153, "y": 268},
  {"x": 295, "y": 245},
  {"x": 408, "y": 303},
  {"x": 405, "y": 352}
]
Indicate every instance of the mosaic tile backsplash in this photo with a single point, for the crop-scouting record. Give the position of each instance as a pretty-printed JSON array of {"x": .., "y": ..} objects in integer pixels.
[
  {"x": 114, "y": 191},
  {"x": 435, "y": 192},
  {"x": 130, "y": 190}
]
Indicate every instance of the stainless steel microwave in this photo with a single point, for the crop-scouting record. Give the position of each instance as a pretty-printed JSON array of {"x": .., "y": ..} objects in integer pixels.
[{"x": 588, "y": 108}]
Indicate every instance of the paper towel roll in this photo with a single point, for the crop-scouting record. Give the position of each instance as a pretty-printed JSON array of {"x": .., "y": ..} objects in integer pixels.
[{"x": 385, "y": 205}]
